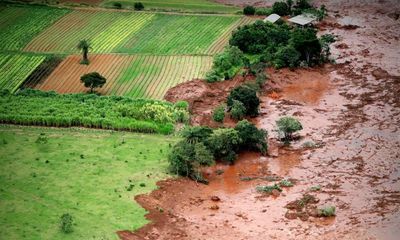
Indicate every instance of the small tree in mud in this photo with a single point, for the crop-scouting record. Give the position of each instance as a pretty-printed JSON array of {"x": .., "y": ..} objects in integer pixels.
[
  {"x": 93, "y": 80},
  {"x": 84, "y": 47},
  {"x": 288, "y": 126}
]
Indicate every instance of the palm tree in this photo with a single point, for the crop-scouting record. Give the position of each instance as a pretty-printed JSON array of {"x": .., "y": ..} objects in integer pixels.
[{"x": 84, "y": 46}]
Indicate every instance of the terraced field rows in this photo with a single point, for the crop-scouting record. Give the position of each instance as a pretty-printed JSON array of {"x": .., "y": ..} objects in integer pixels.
[
  {"x": 127, "y": 32},
  {"x": 18, "y": 25},
  {"x": 138, "y": 76},
  {"x": 14, "y": 69},
  {"x": 223, "y": 40}
]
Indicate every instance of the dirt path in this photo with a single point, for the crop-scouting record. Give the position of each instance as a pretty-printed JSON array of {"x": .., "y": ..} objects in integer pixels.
[{"x": 351, "y": 111}]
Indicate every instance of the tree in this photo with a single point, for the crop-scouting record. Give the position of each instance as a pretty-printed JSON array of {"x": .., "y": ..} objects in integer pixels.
[
  {"x": 66, "y": 223},
  {"x": 138, "y": 6},
  {"x": 306, "y": 42},
  {"x": 252, "y": 138},
  {"x": 249, "y": 10},
  {"x": 288, "y": 125},
  {"x": 84, "y": 47},
  {"x": 219, "y": 113},
  {"x": 286, "y": 56},
  {"x": 93, "y": 80},
  {"x": 289, "y": 3},
  {"x": 281, "y": 8},
  {"x": 246, "y": 95},
  {"x": 224, "y": 143},
  {"x": 238, "y": 110}
]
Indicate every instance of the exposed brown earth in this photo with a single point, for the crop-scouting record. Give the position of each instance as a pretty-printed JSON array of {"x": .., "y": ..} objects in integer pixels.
[{"x": 351, "y": 111}]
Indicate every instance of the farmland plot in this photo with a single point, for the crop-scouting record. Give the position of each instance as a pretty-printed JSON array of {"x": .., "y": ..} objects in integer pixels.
[
  {"x": 18, "y": 25},
  {"x": 138, "y": 76},
  {"x": 127, "y": 32},
  {"x": 204, "y": 6},
  {"x": 15, "y": 68}
]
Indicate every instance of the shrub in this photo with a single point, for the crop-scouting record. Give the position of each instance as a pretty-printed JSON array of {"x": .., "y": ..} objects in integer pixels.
[
  {"x": 251, "y": 137},
  {"x": 138, "y": 6},
  {"x": 224, "y": 143},
  {"x": 261, "y": 79},
  {"x": 247, "y": 96},
  {"x": 268, "y": 189},
  {"x": 257, "y": 67},
  {"x": 285, "y": 183},
  {"x": 286, "y": 56},
  {"x": 288, "y": 126},
  {"x": 117, "y": 5},
  {"x": 219, "y": 113},
  {"x": 263, "y": 11},
  {"x": 249, "y": 10},
  {"x": 328, "y": 211},
  {"x": 281, "y": 8},
  {"x": 238, "y": 110},
  {"x": 66, "y": 223}
]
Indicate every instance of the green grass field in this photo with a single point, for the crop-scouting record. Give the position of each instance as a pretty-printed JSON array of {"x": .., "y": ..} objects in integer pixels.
[
  {"x": 87, "y": 173},
  {"x": 204, "y": 6},
  {"x": 19, "y": 25}
]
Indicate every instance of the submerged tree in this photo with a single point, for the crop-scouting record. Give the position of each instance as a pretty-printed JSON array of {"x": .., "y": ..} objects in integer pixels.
[
  {"x": 288, "y": 125},
  {"x": 93, "y": 80},
  {"x": 84, "y": 47}
]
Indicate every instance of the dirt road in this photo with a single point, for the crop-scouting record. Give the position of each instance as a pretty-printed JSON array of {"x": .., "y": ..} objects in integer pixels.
[{"x": 350, "y": 111}]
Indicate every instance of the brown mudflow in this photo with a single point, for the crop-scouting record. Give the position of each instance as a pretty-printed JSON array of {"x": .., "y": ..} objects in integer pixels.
[{"x": 351, "y": 110}]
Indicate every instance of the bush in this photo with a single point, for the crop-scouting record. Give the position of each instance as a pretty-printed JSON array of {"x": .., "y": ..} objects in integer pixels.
[
  {"x": 328, "y": 211},
  {"x": 249, "y": 10},
  {"x": 66, "y": 223},
  {"x": 286, "y": 56},
  {"x": 219, "y": 114},
  {"x": 138, "y": 6},
  {"x": 261, "y": 79},
  {"x": 288, "y": 126},
  {"x": 252, "y": 138},
  {"x": 246, "y": 95},
  {"x": 117, "y": 5},
  {"x": 263, "y": 11},
  {"x": 226, "y": 64},
  {"x": 238, "y": 110},
  {"x": 93, "y": 80},
  {"x": 281, "y": 8},
  {"x": 224, "y": 143}
]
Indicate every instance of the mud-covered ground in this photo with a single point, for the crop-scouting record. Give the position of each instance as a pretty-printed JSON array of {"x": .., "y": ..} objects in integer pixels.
[{"x": 350, "y": 110}]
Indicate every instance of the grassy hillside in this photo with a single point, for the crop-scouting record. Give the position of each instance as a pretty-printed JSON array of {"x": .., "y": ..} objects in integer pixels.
[{"x": 93, "y": 175}]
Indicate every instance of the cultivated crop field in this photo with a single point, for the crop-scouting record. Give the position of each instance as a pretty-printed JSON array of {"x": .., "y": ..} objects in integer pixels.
[
  {"x": 138, "y": 76},
  {"x": 127, "y": 32},
  {"x": 205, "y": 6},
  {"x": 92, "y": 175},
  {"x": 20, "y": 24},
  {"x": 15, "y": 68}
]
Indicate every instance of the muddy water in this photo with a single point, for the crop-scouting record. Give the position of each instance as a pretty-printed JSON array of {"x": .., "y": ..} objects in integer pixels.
[{"x": 351, "y": 111}]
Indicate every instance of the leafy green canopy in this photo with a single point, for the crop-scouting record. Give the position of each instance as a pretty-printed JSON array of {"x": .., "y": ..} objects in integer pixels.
[
  {"x": 247, "y": 96},
  {"x": 288, "y": 125},
  {"x": 93, "y": 80},
  {"x": 32, "y": 107},
  {"x": 201, "y": 146},
  {"x": 226, "y": 64},
  {"x": 278, "y": 44}
]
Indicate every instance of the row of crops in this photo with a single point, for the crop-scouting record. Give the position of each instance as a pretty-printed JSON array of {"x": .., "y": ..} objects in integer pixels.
[
  {"x": 19, "y": 25},
  {"x": 138, "y": 76},
  {"x": 33, "y": 107},
  {"x": 15, "y": 68},
  {"x": 127, "y": 32}
]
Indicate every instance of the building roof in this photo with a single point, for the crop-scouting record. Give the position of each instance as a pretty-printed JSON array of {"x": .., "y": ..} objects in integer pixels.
[
  {"x": 272, "y": 18},
  {"x": 302, "y": 19}
]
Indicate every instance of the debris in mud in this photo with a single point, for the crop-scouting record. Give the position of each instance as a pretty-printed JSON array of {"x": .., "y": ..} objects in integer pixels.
[
  {"x": 214, "y": 207},
  {"x": 305, "y": 207},
  {"x": 394, "y": 15},
  {"x": 286, "y": 183},
  {"x": 268, "y": 189},
  {"x": 342, "y": 46},
  {"x": 215, "y": 198}
]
